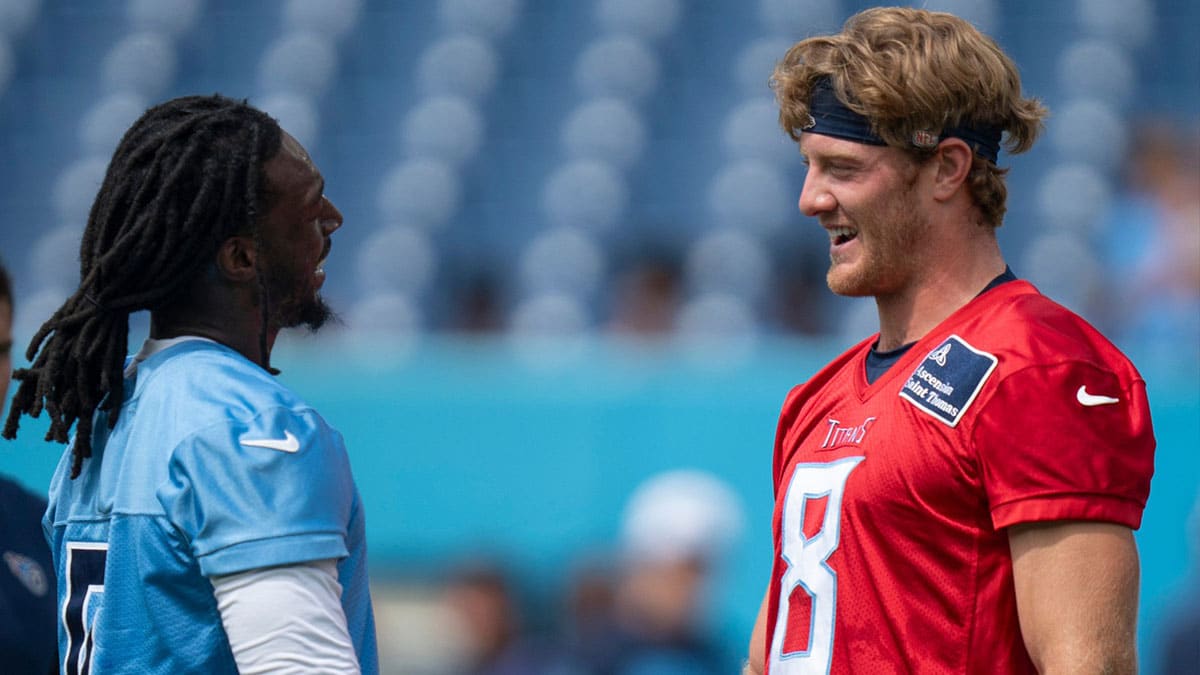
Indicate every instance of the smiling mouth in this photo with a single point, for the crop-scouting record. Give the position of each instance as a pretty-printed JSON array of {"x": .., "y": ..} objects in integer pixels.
[
  {"x": 324, "y": 256},
  {"x": 841, "y": 235}
]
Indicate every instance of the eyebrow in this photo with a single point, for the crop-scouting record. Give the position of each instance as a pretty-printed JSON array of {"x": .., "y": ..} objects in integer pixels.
[
  {"x": 320, "y": 192},
  {"x": 827, "y": 158},
  {"x": 835, "y": 156}
]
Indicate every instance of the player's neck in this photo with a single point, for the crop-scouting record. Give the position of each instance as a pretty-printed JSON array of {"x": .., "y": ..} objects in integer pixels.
[
  {"x": 240, "y": 335},
  {"x": 939, "y": 291}
]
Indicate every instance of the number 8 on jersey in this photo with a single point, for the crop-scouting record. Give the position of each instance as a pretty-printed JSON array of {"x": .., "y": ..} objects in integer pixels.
[{"x": 812, "y": 509}]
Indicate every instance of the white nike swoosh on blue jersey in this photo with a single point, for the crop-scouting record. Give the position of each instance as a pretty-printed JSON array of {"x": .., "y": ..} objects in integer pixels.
[{"x": 289, "y": 443}]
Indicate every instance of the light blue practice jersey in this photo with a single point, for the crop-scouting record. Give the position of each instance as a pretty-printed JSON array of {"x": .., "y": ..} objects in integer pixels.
[{"x": 213, "y": 468}]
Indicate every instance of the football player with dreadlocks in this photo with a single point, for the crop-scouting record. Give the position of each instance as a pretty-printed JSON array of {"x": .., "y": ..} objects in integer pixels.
[{"x": 204, "y": 518}]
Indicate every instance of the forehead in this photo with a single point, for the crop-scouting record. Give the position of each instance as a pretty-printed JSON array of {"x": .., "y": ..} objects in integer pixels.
[
  {"x": 291, "y": 171},
  {"x": 819, "y": 145}
]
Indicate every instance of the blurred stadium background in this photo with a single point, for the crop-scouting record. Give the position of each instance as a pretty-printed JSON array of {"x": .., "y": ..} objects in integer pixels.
[{"x": 572, "y": 261}]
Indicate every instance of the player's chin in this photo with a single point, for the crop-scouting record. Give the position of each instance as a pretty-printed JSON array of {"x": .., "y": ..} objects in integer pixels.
[
  {"x": 847, "y": 283},
  {"x": 316, "y": 314}
]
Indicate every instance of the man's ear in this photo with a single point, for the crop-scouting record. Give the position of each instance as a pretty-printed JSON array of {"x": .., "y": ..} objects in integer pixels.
[
  {"x": 236, "y": 259},
  {"x": 953, "y": 159}
]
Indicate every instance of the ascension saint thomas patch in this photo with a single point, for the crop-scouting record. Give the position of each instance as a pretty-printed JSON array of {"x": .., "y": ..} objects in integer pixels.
[{"x": 949, "y": 379}]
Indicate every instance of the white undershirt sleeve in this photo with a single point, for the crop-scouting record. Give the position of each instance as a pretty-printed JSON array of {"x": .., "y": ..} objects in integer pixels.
[{"x": 286, "y": 619}]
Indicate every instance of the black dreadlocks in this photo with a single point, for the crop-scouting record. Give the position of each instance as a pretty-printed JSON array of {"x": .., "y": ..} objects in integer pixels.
[{"x": 186, "y": 176}]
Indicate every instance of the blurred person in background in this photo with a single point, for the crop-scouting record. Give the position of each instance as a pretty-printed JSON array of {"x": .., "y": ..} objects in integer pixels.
[
  {"x": 1153, "y": 240},
  {"x": 203, "y": 518},
  {"x": 958, "y": 492},
  {"x": 676, "y": 529},
  {"x": 28, "y": 642},
  {"x": 1180, "y": 647},
  {"x": 484, "y": 603},
  {"x": 647, "y": 296},
  {"x": 477, "y": 307},
  {"x": 659, "y": 616},
  {"x": 589, "y": 630}
]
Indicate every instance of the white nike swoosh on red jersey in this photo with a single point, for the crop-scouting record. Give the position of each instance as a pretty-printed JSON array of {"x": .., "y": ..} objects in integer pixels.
[{"x": 1089, "y": 400}]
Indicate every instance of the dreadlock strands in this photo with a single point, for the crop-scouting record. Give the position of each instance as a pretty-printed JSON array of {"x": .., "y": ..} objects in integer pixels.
[
  {"x": 115, "y": 355},
  {"x": 185, "y": 176},
  {"x": 22, "y": 400},
  {"x": 264, "y": 293}
]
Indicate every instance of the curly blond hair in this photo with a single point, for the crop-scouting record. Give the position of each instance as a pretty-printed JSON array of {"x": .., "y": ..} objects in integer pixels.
[{"x": 909, "y": 70}]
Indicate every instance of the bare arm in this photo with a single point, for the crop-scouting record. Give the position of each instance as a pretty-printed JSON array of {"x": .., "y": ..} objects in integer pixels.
[
  {"x": 756, "y": 664},
  {"x": 1077, "y": 592}
]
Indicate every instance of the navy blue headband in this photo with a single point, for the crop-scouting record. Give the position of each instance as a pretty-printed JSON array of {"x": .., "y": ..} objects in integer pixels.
[{"x": 828, "y": 116}]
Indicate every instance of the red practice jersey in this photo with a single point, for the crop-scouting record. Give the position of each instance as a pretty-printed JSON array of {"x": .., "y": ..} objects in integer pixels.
[{"x": 892, "y": 498}]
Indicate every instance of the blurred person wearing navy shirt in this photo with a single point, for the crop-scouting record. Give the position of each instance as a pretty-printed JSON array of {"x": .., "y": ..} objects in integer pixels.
[{"x": 27, "y": 632}]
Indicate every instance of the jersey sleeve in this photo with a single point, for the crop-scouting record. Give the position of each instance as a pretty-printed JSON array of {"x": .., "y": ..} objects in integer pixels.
[
  {"x": 791, "y": 407},
  {"x": 272, "y": 490},
  {"x": 1069, "y": 441}
]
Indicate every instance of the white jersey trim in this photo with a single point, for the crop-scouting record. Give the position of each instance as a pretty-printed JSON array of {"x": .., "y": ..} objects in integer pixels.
[{"x": 151, "y": 347}]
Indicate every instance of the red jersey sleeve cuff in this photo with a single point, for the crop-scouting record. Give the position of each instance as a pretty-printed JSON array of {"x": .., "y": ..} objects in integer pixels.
[{"x": 1099, "y": 507}]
